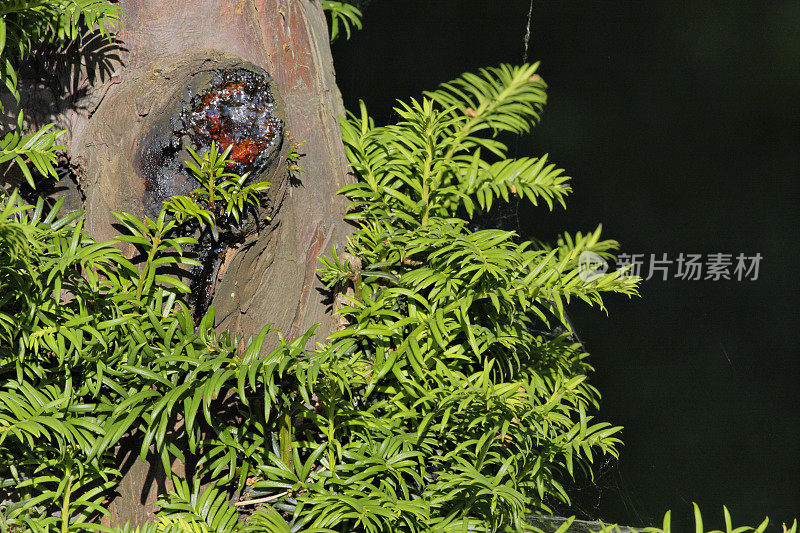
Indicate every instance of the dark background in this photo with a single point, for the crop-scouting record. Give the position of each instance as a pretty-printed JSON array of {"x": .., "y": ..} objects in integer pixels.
[{"x": 680, "y": 124}]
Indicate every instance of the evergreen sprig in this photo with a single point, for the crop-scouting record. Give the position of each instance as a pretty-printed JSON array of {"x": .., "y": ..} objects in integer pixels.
[
  {"x": 453, "y": 346},
  {"x": 221, "y": 196},
  {"x": 344, "y": 16}
]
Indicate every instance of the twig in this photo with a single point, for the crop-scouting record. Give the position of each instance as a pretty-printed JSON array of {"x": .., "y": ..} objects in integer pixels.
[{"x": 261, "y": 500}]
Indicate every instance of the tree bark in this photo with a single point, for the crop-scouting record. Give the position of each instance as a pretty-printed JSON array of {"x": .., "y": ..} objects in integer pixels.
[{"x": 115, "y": 103}]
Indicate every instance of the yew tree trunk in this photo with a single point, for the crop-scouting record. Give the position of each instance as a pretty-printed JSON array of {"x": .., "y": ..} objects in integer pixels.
[{"x": 128, "y": 112}]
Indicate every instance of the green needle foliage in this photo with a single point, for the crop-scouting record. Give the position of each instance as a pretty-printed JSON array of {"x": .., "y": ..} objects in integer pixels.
[
  {"x": 24, "y": 26},
  {"x": 344, "y": 17},
  {"x": 95, "y": 350},
  {"x": 450, "y": 403},
  {"x": 698, "y": 522},
  {"x": 38, "y": 149},
  {"x": 221, "y": 197}
]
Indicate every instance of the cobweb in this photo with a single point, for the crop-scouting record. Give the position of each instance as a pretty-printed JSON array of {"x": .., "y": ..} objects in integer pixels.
[
  {"x": 505, "y": 215},
  {"x": 590, "y": 496},
  {"x": 587, "y": 494}
]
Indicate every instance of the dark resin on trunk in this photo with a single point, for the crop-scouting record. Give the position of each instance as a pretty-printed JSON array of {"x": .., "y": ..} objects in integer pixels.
[
  {"x": 233, "y": 107},
  {"x": 237, "y": 111}
]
